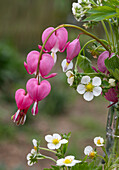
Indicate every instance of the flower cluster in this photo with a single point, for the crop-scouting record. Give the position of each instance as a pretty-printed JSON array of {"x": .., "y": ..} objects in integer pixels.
[{"x": 41, "y": 65}]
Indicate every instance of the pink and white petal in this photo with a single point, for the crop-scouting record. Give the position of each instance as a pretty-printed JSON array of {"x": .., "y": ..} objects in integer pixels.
[
  {"x": 81, "y": 89},
  {"x": 96, "y": 81},
  {"x": 60, "y": 162},
  {"x": 56, "y": 136},
  {"x": 51, "y": 146},
  {"x": 97, "y": 91},
  {"x": 58, "y": 146},
  {"x": 88, "y": 96},
  {"x": 85, "y": 79},
  {"x": 54, "y": 56},
  {"x": 49, "y": 138},
  {"x": 34, "y": 141},
  {"x": 70, "y": 66},
  {"x": 63, "y": 141}
]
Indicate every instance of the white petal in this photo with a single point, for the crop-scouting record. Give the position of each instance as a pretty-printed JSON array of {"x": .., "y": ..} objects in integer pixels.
[
  {"x": 81, "y": 89},
  {"x": 69, "y": 73},
  {"x": 85, "y": 79},
  {"x": 54, "y": 56},
  {"x": 70, "y": 157},
  {"x": 60, "y": 162},
  {"x": 66, "y": 66},
  {"x": 30, "y": 163},
  {"x": 33, "y": 151},
  {"x": 34, "y": 108},
  {"x": 88, "y": 150},
  {"x": 96, "y": 81},
  {"x": 88, "y": 96},
  {"x": 51, "y": 146},
  {"x": 76, "y": 161},
  {"x": 97, "y": 91},
  {"x": 48, "y": 138},
  {"x": 63, "y": 141},
  {"x": 17, "y": 114},
  {"x": 28, "y": 157},
  {"x": 101, "y": 141},
  {"x": 34, "y": 141},
  {"x": 56, "y": 136},
  {"x": 57, "y": 146},
  {"x": 70, "y": 80}
]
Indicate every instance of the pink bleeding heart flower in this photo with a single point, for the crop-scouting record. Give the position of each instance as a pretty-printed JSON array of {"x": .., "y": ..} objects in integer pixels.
[
  {"x": 56, "y": 42},
  {"x": 73, "y": 50},
  {"x": 101, "y": 61},
  {"x": 37, "y": 91},
  {"x": 46, "y": 64},
  {"x": 23, "y": 102},
  {"x": 111, "y": 95}
]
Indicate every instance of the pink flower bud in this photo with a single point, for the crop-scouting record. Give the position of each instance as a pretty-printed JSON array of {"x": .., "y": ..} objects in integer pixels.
[
  {"x": 111, "y": 95},
  {"x": 37, "y": 91},
  {"x": 101, "y": 61},
  {"x": 73, "y": 49}
]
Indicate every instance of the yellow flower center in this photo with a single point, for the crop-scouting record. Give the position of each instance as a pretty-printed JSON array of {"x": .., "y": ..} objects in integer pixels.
[
  {"x": 53, "y": 55},
  {"x": 89, "y": 87},
  {"x": 92, "y": 154},
  {"x": 55, "y": 141},
  {"x": 98, "y": 142},
  {"x": 67, "y": 64},
  {"x": 35, "y": 148},
  {"x": 71, "y": 76},
  {"x": 67, "y": 161}
]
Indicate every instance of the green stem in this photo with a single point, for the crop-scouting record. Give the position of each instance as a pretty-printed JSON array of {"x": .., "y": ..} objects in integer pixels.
[
  {"x": 71, "y": 26},
  {"x": 104, "y": 26},
  {"x": 111, "y": 34},
  {"x": 116, "y": 139},
  {"x": 47, "y": 157},
  {"x": 102, "y": 158},
  {"x": 104, "y": 150},
  {"x": 45, "y": 149},
  {"x": 93, "y": 74}
]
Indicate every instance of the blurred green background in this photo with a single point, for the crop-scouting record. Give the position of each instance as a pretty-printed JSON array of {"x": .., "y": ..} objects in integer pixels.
[{"x": 21, "y": 25}]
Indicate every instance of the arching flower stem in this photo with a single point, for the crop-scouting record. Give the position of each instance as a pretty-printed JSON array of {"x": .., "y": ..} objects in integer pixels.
[
  {"x": 71, "y": 26},
  {"x": 45, "y": 149}
]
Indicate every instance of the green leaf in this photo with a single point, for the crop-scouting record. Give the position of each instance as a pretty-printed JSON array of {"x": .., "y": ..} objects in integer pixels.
[
  {"x": 112, "y": 64},
  {"x": 85, "y": 64},
  {"x": 102, "y": 13},
  {"x": 111, "y": 3}
]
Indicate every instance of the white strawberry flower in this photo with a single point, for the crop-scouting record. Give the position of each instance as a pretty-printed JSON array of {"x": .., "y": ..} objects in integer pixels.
[
  {"x": 55, "y": 141},
  {"x": 89, "y": 88},
  {"x": 89, "y": 151},
  {"x": 66, "y": 66},
  {"x": 67, "y": 161},
  {"x": 70, "y": 78},
  {"x": 99, "y": 141}
]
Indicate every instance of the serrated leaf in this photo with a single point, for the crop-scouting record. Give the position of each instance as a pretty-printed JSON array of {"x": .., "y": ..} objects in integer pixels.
[
  {"x": 102, "y": 13},
  {"x": 112, "y": 64},
  {"x": 85, "y": 64}
]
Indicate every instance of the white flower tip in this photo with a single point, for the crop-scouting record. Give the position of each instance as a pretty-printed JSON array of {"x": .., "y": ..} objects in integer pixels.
[{"x": 34, "y": 141}]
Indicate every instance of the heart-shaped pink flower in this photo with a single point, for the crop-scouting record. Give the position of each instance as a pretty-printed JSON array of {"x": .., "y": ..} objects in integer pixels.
[{"x": 37, "y": 91}]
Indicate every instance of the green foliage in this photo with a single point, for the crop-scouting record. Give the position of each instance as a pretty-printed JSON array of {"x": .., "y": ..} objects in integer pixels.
[
  {"x": 108, "y": 10},
  {"x": 85, "y": 64},
  {"x": 112, "y": 64}
]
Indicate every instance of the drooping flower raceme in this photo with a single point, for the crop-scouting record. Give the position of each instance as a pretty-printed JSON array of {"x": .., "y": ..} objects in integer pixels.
[
  {"x": 45, "y": 66},
  {"x": 70, "y": 78},
  {"x": 73, "y": 50},
  {"x": 67, "y": 161},
  {"x": 89, "y": 151},
  {"x": 56, "y": 42},
  {"x": 55, "y": 141},
  {"x": 37, "y": 91},
  {"x": 89, "y": 88},
  {"x": 23, "y": 102},
  {"x": 99, "y": 141}
]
